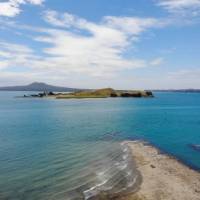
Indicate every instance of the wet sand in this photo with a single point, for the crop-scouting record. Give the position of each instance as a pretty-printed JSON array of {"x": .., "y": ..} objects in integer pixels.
[{"x": 163, "y": 177}]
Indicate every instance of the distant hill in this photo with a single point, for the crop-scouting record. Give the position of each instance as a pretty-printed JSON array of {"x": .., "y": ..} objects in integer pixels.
[{"x": 36, "y": 86}]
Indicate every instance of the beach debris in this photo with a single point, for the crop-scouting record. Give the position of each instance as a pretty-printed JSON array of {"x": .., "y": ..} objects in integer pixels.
[{"x": 153, "y": 166}]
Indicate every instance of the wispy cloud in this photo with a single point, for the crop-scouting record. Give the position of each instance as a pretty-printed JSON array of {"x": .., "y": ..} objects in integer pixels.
[
  {"x": 18, "y": 57},
  {"x": 181, "y": 6},
  {"x": 11, "y": 8},
  {"x": 94, "y": 48},
  {"x": 73, "y": 45},
  {"x": 128, "y": 25}
]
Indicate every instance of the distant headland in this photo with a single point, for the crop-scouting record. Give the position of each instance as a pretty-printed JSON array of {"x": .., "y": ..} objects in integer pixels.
[
  {"x": 179, "y": 90},
  {"x": 38, "y": 86}
]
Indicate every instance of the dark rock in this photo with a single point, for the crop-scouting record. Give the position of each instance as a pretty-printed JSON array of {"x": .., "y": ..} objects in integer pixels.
[
  {"x": 197, "y": 191},
  {"x": 34, "y": 95},
  {"x": 126, "y": 94},
  {"x": 113, "y": 95},
  {"x": 51, "y": 93},
  {"x": 149, "y": 93}
]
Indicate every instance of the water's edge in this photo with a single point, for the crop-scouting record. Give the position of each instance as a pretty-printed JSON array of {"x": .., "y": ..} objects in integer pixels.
[{"x": 164, "y": 152}]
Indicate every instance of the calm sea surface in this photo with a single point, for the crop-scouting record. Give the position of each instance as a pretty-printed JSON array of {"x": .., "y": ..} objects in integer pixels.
[{"x": 69, "y": 149}]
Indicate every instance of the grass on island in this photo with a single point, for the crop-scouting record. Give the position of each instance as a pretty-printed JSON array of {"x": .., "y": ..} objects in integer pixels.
[{"x": 105, "y": 93}]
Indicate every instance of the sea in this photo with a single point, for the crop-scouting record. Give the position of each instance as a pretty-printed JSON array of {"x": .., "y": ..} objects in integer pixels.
[{"x": 74, "y": 149}]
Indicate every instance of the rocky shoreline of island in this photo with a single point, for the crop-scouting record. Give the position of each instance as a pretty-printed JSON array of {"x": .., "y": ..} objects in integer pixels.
[{"x": 163, "y": 176}]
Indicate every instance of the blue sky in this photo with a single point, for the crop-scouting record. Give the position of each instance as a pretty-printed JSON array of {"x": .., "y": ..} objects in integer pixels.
[{"x": 146, "y": 44}]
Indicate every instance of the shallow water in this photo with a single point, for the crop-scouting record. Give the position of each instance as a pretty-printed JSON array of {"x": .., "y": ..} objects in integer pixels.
[{"x": 69, "y": 149}]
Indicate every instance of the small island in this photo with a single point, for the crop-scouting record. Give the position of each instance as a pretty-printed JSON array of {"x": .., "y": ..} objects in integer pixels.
[{"x": 100, "y": 93}]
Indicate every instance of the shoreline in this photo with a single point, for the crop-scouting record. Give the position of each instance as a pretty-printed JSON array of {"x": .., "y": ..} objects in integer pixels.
[
  {"x": 169, "y": 154},
  {"x": 163, "y": 176}
]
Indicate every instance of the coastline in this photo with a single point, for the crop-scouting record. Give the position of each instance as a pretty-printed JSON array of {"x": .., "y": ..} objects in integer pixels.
[{"x": 163, "y": 177}]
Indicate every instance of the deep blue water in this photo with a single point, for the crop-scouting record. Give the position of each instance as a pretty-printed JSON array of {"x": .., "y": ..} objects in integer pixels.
[{"x": 45, "y": 143}]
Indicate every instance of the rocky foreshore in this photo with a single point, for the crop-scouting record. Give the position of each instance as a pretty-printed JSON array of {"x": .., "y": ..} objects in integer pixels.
[{"x": 164, "y": 177}]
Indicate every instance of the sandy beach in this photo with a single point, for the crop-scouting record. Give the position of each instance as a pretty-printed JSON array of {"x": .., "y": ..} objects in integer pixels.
[{"x": 164, "y": 178}]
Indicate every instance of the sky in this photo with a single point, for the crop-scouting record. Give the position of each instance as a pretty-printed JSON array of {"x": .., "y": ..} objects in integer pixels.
[{"x": 123, "y": 44}]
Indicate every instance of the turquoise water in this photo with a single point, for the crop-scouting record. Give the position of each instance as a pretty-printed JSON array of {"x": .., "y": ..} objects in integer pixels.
[{"x": 61, "y": 149}]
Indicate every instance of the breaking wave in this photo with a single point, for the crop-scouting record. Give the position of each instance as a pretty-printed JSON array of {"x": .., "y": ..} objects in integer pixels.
[{"x": 109, "y": 175}]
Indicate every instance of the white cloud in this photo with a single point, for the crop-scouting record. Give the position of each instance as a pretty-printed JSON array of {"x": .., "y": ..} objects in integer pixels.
[
  {"x": 131, "y": 25},
  {"x": 128, "y": 25},
  {"x": 8, "y": 9},
  {"x": 14, "y": 48},
  {"x": 181, "y": 5},
  {"x": 63, "y": 20},
  {"x": 15, "y": 55},
  {"x": 91, "y": 48},
  {"x": 35, "y": 2},
  {"x": 11, "y": 8},
  {"x": 74, "y": 46}
]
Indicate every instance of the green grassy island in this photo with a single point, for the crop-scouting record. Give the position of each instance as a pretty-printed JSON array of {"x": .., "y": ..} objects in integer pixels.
[
  {"x": 105, "y": 93},
  {"x": 100, "y": 93}
]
